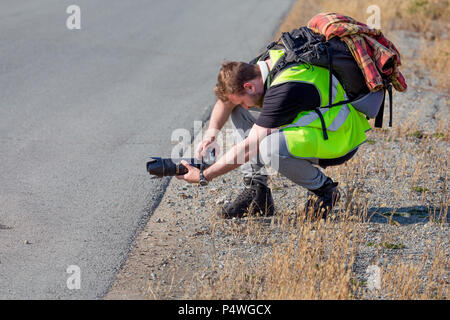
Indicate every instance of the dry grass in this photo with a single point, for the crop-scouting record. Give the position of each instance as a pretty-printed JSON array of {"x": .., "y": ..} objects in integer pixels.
[
  {"x": 402, "y": 280},
  {"x": 423, "y": 16},
  {"x": 309, "y": 260},
  {"x": 436, "y": 56}
]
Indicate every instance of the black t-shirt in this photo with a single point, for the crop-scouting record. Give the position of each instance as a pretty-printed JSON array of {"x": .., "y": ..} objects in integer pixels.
[{"x": 283, "y": 102}]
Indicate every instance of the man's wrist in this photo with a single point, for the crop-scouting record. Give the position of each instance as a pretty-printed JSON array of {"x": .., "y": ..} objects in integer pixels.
[
  {"x": 211, "y": 138},
  {"x": 207, "y": 175},
  {"x": 211, "y": 133},
  {"x": 202, "y": 180}
]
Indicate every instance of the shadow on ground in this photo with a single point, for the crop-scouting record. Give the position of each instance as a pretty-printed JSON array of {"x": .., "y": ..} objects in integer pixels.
[
  {"x": 401, "y": 216},
  {"x": 407, "y": 215}
]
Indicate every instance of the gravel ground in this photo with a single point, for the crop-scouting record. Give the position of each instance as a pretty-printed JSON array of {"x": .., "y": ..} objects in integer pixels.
[{"x": 401, "y": 180}]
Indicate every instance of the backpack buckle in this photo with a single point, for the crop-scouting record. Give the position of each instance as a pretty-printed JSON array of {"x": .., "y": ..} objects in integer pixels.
[{"x": 271, "y": 45}]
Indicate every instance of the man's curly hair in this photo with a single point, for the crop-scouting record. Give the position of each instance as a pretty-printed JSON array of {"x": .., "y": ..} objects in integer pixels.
[{"x": 232, "y": 77}]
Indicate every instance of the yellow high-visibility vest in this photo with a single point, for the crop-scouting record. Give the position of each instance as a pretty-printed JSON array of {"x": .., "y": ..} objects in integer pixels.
[{"x": 346, "y": 127}]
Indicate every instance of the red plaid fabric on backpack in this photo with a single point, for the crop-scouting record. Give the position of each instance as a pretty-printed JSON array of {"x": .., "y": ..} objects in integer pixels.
[{"x": 377, "y": 57}]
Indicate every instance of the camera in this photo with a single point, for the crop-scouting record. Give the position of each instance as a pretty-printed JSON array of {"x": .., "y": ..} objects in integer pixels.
[{"x": 168, "y": 167}]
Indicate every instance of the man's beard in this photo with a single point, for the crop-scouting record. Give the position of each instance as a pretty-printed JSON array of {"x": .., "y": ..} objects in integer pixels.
[{"x": 257, "y": 100}]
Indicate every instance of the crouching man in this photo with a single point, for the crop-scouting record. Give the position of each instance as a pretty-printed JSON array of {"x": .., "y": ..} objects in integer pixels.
[{"x": 295, "y": 133}]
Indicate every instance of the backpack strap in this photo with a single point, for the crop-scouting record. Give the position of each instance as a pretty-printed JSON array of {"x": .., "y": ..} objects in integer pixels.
[
  {"x": 290, "y": 56},
  {"x": 322, "y": 121},
  {"x": 330, "y": 89},
  {"x": 379, "y": 118},
  {"x": 389, "y": 89},
  {"x": 330, "y": 71},
  {"x": 278, "y": 67},
  {"x": 330, "y": 92}
]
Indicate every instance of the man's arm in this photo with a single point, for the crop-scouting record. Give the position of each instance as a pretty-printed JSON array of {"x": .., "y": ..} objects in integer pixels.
[
  {"x": 219, "y": 115},
  {"x": 235, "y": 157}
]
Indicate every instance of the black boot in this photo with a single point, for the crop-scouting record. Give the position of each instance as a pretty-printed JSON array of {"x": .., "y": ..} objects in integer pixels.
[
  {"x": 255, "y": 200},
  {"x": 322, "y": 201}
]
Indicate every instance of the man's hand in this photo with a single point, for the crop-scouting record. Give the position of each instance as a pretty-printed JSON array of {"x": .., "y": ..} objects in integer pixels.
[
  {"x": 193, "y": 175},
  {"x": 204, "y": 146},
  {"x": 219, "y": 115}
]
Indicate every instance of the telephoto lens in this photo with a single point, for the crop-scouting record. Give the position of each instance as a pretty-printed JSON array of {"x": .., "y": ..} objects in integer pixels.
[{"x": 160, "y": 167}]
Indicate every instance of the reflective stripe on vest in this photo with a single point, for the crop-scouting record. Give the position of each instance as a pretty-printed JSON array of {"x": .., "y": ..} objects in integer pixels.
[{"x": 334, "y": 126}]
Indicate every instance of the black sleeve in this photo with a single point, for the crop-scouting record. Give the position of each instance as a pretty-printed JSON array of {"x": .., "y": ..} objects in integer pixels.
[{"x": 284, "y": 102}]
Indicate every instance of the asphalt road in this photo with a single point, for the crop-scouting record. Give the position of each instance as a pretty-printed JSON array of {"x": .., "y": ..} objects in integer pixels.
[{"x": 82, "y": 110}]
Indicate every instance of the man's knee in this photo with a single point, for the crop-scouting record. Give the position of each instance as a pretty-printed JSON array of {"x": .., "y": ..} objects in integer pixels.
[
  {"x": 270, "y": 150},
  {"x": 241, "y": 119},
  {"x": 274, "y": 153},
  {"x": 235, "y": 118}
]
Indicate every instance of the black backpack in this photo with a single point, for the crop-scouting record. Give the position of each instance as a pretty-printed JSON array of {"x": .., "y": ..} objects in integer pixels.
[{"x": 304, "y": 46}]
